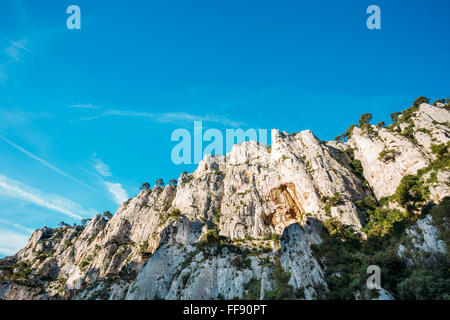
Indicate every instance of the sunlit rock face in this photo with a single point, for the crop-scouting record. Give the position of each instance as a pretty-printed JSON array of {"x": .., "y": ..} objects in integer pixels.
[
  {"x": 266, "y": 203},
  {"x": 430, "y": 127}
]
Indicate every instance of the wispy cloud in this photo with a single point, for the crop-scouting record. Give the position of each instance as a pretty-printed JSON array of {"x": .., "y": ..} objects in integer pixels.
[
  {"x": 15, "y": 48},
  {"x": 11, "y": 242},
  {"x": 169, "y": 117},
  {"x": 17, "y": 226},
  {"x": 114, "y": 188},
  {"x": 14, "y": 189},
  {"x": 120, "y": 195},
  {"x": 45, "y": 163},
  {"x": 14, "y": 52},
  {"x": 14, "y": 118},
  {"x": 84, "y": 106},
  {"x": 101, "y": 167}
]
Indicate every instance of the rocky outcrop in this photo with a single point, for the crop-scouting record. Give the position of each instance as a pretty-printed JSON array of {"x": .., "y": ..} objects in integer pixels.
[
  {"x": 225, "y": 228},
  {"x": 261, "y": 190},
  {"x": 297, "y": 257},
  {"x": 385, "y": 175},
  {"x": 183, "y": 268},
  {"x": 14, "y": 291},
  {"x": 402, "y": 155},
  {"x": 422, "y": 242}
]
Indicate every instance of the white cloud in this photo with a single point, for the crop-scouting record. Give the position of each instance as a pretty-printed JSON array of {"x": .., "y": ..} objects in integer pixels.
[
  {"x": 17, "y": 190},
  {"x": 15, "y": 47},
  {"x": 17, "y": 226},
  {"x": 45, "y": 163},
  {"x": 119, "y": 193},
  {"x": 11, "y": 242},
  {"x": 14, "y": 118},
  {"x": 101, "y": 167},
  {"x": 14, "y": 51},
  {"x": 172, "y": 117},
  {"x": 84, "y": 106}
]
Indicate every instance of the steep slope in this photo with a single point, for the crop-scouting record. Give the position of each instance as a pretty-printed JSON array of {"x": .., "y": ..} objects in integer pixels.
[
  {"x": 404, "y": 153},
  {"x": 245, "y": 225}
]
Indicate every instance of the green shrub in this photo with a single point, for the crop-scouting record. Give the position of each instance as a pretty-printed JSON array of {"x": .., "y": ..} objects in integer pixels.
[
  {"x": 439, "y": 101},
  {"x": 441, "y": 220},
  {"x": 365, "y": 119},
  {"x": 387, "y": 155},
  {"x": 394, "y": 116},
  {"x": 349, "y": 131},
  {"x": 175, "y": 214},
  {"x": 426, "y": 284},
  {"x": 339, "y": 232},
  {"x": 143, "y": 250},
  {"x": 253, "y": 288},
  {"x": 340, "y": 138},
  {"x": 355, "y": 164},
  {"x": 341, "y": 260},
  {"x": 381, "y": 124},
  {"x": 67, "y": 243},
  {"x": 276, "y": 236},
  {"x": 384, "y": 222},
  {"x": 408, "y": 133},
  {"x": 441, "y": 150},
  {"x": 217, "y": 216},
  {"x": 331, "y": 202},
  {"x": 211, "y": 236},
  {"x": 410, "y": 192},
  {"x": 241, "y": 263},
  {"x": 282, "y": 290},
  {"x": 421, "y": 100},
  {"x": 185, "y": 279}
]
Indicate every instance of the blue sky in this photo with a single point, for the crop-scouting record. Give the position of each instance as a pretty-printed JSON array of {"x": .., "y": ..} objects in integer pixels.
[{"x": 86, "y": 115}]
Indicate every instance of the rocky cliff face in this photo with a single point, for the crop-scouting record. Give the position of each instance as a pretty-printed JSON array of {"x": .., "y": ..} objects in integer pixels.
[
  {"x": 243, "y": 225},
  {"x": 403, "y": 154}
]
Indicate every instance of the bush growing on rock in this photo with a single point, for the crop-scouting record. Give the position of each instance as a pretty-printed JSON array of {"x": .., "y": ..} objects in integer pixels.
[
  {"x": 387, "y": 155},
  {"x": 144, "y": 186},
  {"x": 108, "y": 215},
  {"x": 282, "y": 290},
  {"x": 365, "y": 119},
  {"x": 394, "y": 116},
  {"x": 410, "y": 192},
  {"x": 441, "y": 150},
  {"x": 421, "y": 100},
  {"x": 381, "y": 124},
  {"x": 332, "y": 201},
  {"x": 159, "y": 182}
]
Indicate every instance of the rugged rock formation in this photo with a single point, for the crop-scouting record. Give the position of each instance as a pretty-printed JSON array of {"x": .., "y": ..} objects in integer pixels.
[
  {"x": 403, "y": 156},
  {"x": 239, "y": 224}
]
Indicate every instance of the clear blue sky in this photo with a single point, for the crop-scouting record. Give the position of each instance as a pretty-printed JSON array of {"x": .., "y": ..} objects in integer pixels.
[{"x": 86, "y": 115}]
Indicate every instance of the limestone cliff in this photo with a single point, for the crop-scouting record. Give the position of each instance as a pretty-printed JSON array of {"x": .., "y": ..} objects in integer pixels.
[{"x": 241, "y": 223}]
